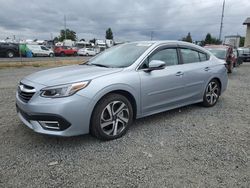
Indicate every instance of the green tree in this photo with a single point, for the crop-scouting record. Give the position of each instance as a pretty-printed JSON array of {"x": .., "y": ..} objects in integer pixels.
[
  {"x": 208, "y": 39},
  {"x": 92, "y": 40},
  {"x": 70, "y": 34},
  {"x": 109, "y": 34},
  {"x": 188, "y": 38},
  {"x": 56, "y": 40},
  {"x": 242, "y": 41}
]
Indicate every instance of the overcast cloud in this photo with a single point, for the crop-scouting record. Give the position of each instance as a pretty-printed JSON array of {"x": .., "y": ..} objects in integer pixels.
[{"x": 129, "y": 20}]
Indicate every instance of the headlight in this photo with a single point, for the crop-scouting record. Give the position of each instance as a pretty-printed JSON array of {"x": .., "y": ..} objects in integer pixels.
[{"x": 63, "y": 90}]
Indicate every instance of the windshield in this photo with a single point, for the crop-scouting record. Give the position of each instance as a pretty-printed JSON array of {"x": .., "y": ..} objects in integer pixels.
[
  {"x": 219, "y": 53},
  {"x": 120, "y": 56}
]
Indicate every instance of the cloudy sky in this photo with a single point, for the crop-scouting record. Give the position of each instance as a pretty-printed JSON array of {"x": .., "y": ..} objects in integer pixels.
[{"x": 129, "y": 20}]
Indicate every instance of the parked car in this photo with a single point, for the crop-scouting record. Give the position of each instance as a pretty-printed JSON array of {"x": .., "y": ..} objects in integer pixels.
[
  {"x": 65, "y": 51},
  {"x": 9, "y": 49},
  {"x": 129, "y": 81},
  {"x": 237, "y": 61},
  {"x": 86, "y": 51},
  {"x": 38, "y": 50},
  {"x": 244, "y": 54},
  {"x": 225, "y": 53}
]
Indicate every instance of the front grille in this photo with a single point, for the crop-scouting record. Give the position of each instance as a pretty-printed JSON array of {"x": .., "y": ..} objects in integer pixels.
[{"x": 25, "y": 92}]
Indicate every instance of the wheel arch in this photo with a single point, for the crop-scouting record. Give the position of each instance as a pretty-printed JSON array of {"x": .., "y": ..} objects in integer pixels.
[
  {"x": 124, "y": 93},
  {"x": 219, "y": 81},
  {"x": 213, "y": 78}
]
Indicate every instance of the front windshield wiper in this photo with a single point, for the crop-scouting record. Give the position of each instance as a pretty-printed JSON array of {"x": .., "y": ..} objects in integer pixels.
[{"x": 99, "y": 65}]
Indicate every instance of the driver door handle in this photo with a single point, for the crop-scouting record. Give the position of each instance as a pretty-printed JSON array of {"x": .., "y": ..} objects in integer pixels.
[
  {"x": 179, "y": 73},
  {"x": 206, "y": 69}
]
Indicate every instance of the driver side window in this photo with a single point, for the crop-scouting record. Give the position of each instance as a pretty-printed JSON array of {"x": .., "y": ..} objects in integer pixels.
[{"x": 169, "y": 56}]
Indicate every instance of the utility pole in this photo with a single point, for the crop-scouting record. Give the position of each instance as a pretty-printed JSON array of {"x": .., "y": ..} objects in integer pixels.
[
  {"x": 221, "y": 22},
  {"x": 65, "y": 35},
  {"x": 152, "y": 35}
]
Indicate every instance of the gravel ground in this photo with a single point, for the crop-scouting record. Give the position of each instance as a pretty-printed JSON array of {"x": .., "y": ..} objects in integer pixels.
[{"x": 187, "y": 147}]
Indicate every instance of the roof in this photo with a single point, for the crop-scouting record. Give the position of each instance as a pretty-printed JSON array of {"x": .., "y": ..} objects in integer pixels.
[
  {"x": 247, "y": 21},
  {"x": 232, "y": 36}
]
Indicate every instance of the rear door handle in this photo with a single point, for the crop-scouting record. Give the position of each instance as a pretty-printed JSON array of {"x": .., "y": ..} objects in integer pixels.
[
  {"x": 207, "y": 69},
  {"x": 179, "y": 73}
]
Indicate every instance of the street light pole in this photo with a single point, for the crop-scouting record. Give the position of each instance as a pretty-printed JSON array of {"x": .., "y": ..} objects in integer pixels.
[
  {"x": 221, "y": 22},
  {"x": 65, "y": 35},
  {"x": 152, "y": 35}
]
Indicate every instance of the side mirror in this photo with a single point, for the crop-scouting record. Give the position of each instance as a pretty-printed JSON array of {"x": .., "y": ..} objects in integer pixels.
[{"x": 156, "y": 65}]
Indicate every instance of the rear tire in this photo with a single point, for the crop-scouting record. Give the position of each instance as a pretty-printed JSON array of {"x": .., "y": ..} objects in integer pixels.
[
  {"x": 51, "y": 55},
  {"x": 211, "y": 94},
  {"x": 111, "y": 117},
  {"x": 62, "y": 54}
]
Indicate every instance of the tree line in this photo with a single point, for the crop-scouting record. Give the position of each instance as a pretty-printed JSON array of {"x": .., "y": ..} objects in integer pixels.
[
  {"x": 209, "y": 39},
  {"x": 71, "y": 35}
]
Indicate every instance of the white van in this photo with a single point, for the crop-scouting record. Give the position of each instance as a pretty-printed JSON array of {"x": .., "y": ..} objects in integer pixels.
[{"x": 38, "y": 50}]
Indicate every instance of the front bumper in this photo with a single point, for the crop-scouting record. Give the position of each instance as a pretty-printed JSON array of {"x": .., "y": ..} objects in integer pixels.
[{"x": 71, "y": 113}]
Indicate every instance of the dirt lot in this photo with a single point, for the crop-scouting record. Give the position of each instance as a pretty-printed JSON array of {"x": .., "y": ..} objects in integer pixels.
[{"x": 188, "y": 147}]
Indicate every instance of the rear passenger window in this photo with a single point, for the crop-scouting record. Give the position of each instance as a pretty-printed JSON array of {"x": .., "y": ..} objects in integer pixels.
[
  {"x": 189, "y": 56},
  {"x": 203, "y": 57}
]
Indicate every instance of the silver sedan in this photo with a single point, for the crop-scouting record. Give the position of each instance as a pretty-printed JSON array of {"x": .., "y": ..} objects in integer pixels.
[{"x": 126, "y": 82}]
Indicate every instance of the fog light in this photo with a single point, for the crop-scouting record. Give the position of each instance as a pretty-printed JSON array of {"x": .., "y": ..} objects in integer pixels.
[{"x": 50, "y": 125}]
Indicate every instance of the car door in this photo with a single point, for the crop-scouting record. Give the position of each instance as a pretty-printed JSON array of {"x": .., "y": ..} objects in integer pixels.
[
  {"x": 161, "y": 89},
  {"x": 196, "y": 71},
  {"x": 65, "y": 50},
  {"x": 44, "y": 51}
]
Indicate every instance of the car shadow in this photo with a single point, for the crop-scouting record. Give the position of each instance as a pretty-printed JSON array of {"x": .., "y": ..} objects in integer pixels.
[{"x": 78, "y": 141}]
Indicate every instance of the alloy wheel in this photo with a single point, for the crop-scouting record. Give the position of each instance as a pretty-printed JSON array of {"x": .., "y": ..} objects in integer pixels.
[
  {"x": 212, "y": 93},
  {"x": 114, "y": 118},
  {"x": 10, "y": 54}
]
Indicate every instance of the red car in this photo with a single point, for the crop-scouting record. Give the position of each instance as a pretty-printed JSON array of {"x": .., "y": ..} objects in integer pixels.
[
  {"x": 65, "y": 51},
  {"x": 224, "y": 52}
]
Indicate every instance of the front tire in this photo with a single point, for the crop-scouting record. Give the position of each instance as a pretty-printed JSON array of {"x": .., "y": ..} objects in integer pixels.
[
  {"x": 212, "y": 93},
  {"x": 111, "y": 117}
]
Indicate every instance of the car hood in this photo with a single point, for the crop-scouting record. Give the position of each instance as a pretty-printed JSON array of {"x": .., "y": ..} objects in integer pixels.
[{"x": 70, "y": 74}]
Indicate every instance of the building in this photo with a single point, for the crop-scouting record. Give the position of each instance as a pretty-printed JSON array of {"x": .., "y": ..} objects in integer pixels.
[
  {"x": 247, "y": 39},
  {"x": 232, "y": 40}
]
